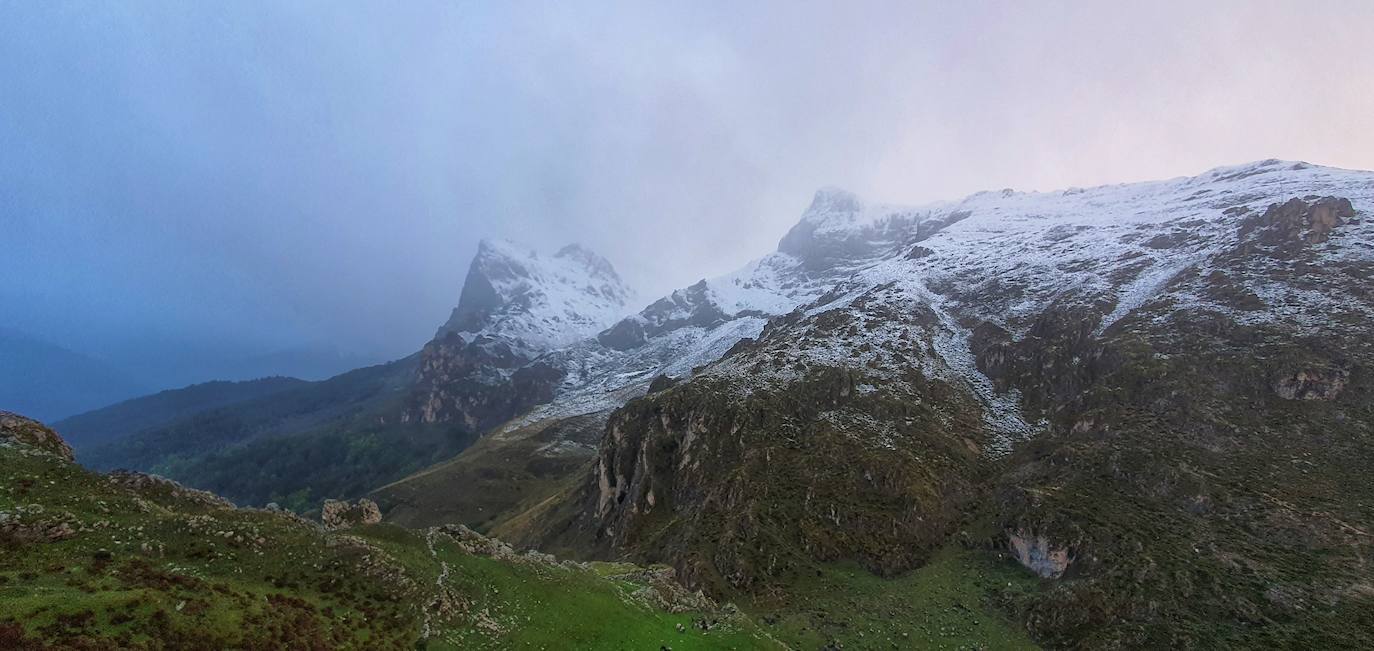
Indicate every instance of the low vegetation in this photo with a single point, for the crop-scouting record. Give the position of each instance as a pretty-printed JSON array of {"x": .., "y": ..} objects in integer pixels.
[{"x": 132, "y": 562}]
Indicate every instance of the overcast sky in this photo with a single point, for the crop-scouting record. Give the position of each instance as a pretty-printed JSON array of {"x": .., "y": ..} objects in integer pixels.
[{"x": 256, "y": 176}]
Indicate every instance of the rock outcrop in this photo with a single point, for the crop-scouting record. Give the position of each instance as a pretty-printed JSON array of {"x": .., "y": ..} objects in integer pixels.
[
  {"x": 1299, "y": 221},
  {"x": 146, "y": 484},
  {"x": 340, "y": 514},
  {"x": 29, "y": 524},
  {"x": 1038, "y": 554},
  {"x": 480, "y": 369},
  {"x": 477, "y": 383},
  {"x": 20, "y": 430},
  {"x": 1312, "y": 384}
]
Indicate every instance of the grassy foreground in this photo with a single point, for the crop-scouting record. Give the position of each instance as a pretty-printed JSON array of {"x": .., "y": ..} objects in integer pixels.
[
  {"x": 91, "y": 561},
  {"x": 948, "y": 603}
]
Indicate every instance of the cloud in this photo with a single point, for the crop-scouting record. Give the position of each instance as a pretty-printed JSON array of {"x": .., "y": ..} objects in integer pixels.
[{"x": 267, "y": 175}]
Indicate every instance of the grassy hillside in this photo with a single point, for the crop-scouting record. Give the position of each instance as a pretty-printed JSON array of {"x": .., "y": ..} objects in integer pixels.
[
  {"x": 957, "y": 601},
  {"x": 130, "y": 562},
  {"x": 502, "y": 474}
]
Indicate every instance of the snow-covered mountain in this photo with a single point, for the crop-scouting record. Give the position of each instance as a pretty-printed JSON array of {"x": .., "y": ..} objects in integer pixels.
[
  {"x": 1150, "y": 393},
  {"x": 516, "y": 305},
  {"x": 998, "y": 257},
  {"x": 1156, "y": 396},
  {"x": 973, "y": 320}
]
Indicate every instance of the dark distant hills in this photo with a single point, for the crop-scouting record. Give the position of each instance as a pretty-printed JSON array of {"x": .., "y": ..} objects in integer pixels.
[
  {"x": 275, "y": 439},
  {"x": 49, "y": 381},
  {"x": 56, "y": 381},
  {"x": 118, "y": 421}
]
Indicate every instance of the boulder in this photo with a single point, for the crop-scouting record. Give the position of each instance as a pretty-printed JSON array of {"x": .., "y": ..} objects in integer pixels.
[{"x": 663, "y": 383}]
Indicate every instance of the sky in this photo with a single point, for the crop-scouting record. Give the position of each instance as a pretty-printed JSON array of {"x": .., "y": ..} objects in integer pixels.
[{"x": 183, "y": 184}]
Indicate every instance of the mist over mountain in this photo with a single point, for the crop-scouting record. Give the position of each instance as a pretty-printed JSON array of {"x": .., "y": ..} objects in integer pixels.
[
  {"x": 1053, "y": 419},
  {"x": 264, "y": 178},
  {"x": 52, "y": 382},
  {"x": 687, "y": 325},
  {"x": 43, "y": 378}
]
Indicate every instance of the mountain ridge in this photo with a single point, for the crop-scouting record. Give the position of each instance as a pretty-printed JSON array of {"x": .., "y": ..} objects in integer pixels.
[
  {"x": 124, "y": 418},
  {"x": 1117, "y": 386}
]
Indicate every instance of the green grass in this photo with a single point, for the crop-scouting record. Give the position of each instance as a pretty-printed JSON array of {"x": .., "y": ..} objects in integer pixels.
[
  {"x": 191, "y": 586},
  {"x": 949, "y": 603},
  {"x": 564, "y": 606},
  {"x": 300, "y": 587},
  {"x": 498, "y": 477}
]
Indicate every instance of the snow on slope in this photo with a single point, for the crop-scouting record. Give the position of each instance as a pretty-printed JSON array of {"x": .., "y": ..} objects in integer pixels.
[
  {"x": 1011, "y": 256},
  {"x": 837, "y": 235},
  {"x": 1118, "y": 243},
  {"x": 1000, "y": 257}
]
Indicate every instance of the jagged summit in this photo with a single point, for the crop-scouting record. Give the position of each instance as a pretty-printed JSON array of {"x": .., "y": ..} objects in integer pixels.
[
  {"x": 599, "y": 267},
  {"x": 516, "y": 305},
  {"x": 537, "y": 303},
  {"x": 831, "y": 199}
]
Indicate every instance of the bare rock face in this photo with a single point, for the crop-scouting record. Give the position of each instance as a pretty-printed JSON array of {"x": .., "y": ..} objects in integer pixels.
[
  {"x": 717, "y": 466},
  {"x": 26, "y": 431},
  {"x": 1311, "y": 384},
  {"x": 340, "y": 514},
  {"x": 1297, "y": 221},
  {"x": 1038, "y": 554},
  {"x": 478, "y": 384}
]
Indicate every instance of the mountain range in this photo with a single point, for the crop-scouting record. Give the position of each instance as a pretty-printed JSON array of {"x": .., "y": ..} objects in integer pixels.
[{"x": 1152, "y": 397}]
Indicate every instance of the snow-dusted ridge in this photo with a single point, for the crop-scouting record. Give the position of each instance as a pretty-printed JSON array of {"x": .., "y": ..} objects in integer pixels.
[{"x": 1001, "y": 257}]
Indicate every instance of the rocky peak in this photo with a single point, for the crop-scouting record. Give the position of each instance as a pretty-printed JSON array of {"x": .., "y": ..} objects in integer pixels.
[
  {"x": 829, "y": 207},
  {"x": 515, "y": 306},
  {"x": 491, "y": 268},
  {"x": 840, "y": 230},
  {"x": 691, "y": 306},
  {"x": 830, "y": 199},
  {"x": 537, "y": 303},
  {"x": 598, "y": 266}
]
